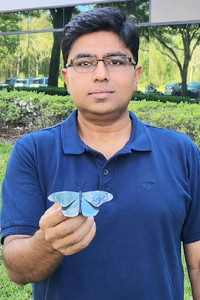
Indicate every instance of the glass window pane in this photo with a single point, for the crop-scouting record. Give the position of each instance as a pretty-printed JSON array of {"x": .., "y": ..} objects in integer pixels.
[
  {"x": 144, "y": 58},
  {"x": 26, "y": 20},
  {"x": 25, "y": 56},
  {"x": 39, "y": 20},
  {"x": 174, "y": 58},
  {"x": 10, "y": 22},
  {"x": 138, "y": 9}
]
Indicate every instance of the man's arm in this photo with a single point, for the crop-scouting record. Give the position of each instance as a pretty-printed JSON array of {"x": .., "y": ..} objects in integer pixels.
[
  {"x": 192, "y": 255},
  {"x": 34, "y": 258}
]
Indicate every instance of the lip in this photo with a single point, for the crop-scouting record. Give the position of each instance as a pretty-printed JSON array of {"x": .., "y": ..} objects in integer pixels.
[{"x": 100, "y": 94}]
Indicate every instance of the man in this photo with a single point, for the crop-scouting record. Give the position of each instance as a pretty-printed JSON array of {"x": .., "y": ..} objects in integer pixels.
[{"x": 153, "y": 174}]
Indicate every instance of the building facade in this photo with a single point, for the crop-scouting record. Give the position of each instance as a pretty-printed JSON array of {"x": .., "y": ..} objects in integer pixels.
[{"x": 30, "y": 36}]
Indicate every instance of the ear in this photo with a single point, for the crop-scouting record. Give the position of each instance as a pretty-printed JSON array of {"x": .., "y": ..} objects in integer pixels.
[
  {"x": 138, "y": 73},
  {"x": 66, "y": 79}
]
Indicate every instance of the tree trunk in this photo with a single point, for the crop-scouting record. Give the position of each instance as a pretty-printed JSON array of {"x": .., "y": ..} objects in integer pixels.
[
  {"x": 57, "y": 21},
  {"x": 184, "y": 80},
  {"x": 55, "y": 60}
]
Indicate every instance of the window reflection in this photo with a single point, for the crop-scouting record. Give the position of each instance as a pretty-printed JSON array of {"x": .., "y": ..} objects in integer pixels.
[
  {"x": 138, "y": 9},
  {"x": 26, "y": 21},
  {"x": 25, "y": 55},
  {"x": 169, "y": 54},
  {"x": 174, "y": 54},
  {"x": 10, "y": 22}
]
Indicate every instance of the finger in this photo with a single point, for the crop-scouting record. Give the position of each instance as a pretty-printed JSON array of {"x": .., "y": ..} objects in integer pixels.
[
  {"x": 82, "y": 244},
  {"x": 63, "y": 229},
  {"x": 52, "y": 216},
  {"x": 77, "y": 240},
  {"x": 70, "y": 225}
]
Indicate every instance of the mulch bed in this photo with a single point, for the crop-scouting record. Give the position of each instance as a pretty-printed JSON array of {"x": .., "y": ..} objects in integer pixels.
[{"x": 10, "y": 135}]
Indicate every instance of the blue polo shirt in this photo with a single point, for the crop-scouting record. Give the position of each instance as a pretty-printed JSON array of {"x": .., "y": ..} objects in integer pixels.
[{"x": 136, "y": 253}]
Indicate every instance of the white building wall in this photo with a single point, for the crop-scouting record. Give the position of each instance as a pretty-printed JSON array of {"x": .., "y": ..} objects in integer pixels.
[
  {"x": 19, "y": 5},
  {"x": 162, "y": 11},
  {"x": 167, "y": 11}
]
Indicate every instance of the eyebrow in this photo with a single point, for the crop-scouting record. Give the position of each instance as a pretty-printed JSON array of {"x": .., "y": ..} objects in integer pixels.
[{"x": 118, "y": 53}]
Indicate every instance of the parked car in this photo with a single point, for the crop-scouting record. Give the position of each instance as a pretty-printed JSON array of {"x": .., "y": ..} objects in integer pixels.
[
  {"x": 40, "y": 81},
  {"x": 9, "y": 82},
  {"x": 150, "y": 89},
  {"x": 173, "y": 89},
  {"x": 193, "y": 89},
  {"x": 23, "y": 82}
]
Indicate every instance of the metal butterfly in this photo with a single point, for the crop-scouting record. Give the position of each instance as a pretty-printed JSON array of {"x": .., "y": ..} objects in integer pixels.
[{"x": 74, "y": 203}]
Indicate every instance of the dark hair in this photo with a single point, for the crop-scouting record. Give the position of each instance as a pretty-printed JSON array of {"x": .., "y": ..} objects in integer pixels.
[{"x": 101, "y": 19}]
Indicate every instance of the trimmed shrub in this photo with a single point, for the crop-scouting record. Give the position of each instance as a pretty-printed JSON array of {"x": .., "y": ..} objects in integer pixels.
[
  {"x": 182, "y": 117},
  {"x": 162, "y": 98},
  {"x": 49, "y": 90},
  {"x": 34, "y": 111}
]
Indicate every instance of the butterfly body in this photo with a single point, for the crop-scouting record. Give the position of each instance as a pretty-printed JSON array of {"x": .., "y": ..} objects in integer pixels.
[{"x": 74, "y": 203}]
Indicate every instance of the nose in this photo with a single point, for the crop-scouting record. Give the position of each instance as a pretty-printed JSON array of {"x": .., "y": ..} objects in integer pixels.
[{"x": 100, "y": 73}]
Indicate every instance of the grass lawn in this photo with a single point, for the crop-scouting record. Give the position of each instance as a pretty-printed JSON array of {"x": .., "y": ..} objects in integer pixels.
[{"x": 11, "y": 291}]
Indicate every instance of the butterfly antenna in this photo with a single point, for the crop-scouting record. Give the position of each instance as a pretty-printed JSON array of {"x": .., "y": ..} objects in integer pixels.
[{"x": 79, "y": 187}]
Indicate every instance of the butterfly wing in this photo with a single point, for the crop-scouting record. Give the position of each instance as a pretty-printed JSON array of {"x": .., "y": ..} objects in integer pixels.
[
  {"x": 68, "y": 200},
  {"x": 96, "y": 198},
  {"x": 72, "y": 210},
  {"x": 87, "y": 209},
  {"x": 92, "y": 200}
]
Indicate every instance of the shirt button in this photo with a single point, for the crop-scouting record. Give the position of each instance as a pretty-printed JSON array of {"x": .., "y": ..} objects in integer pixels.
[{"x": 106, "y": 172}]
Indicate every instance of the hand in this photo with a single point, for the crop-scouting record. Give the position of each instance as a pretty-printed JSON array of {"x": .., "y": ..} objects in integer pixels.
[{"x": 67, "y": 235}]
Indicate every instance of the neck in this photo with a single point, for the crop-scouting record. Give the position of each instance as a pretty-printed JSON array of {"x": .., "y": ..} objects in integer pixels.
[{"x": 106, "y": 138}]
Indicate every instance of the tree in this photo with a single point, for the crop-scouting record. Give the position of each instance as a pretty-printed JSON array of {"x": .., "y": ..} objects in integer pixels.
[
  {"x": 8, "y": 43},
  {"x": 58, "y": 17},
  {"x": 189, "y": 39},
  {"x": 138, "y": 9},
  {"x": 195, "y": 65},
  {"x": 10, "y": 55}
]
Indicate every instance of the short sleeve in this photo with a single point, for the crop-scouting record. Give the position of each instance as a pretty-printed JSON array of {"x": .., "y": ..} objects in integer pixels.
[
  {"x": 191, "y": 228},
  {"x": 22, "y": 199}
]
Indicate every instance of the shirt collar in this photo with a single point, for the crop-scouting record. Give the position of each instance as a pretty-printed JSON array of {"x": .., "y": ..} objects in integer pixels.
[
  {"x": 140, "y": 139},
  {"x": 72, "y": 144}
]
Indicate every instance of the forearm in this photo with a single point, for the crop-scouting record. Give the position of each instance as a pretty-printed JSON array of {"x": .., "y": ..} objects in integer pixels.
[
  {"x": 30, "y": 259},
  {"x": 34, "y": 258},
  {"x": 195, "y": 283}
]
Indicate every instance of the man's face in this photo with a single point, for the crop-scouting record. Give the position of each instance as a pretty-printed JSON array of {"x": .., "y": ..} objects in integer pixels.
[{"x": 101, "y": 92}]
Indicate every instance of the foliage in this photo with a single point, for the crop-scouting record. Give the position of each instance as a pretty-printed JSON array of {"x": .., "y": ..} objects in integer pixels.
[
  {"x": 162, "y": 98},
  {"x": 49, "y": 90},
  {"x": 36, "y": 110},
  {"x": 13, "y": 47},
  {"x": 138, "y": 9},
  {"x": 182, "y": 117},
  {"x": 33, "y": 110},
  {"x": 176, "y": 40},
  {"x": 9, "y": 43},
  {"x": 167, "y": 53}
]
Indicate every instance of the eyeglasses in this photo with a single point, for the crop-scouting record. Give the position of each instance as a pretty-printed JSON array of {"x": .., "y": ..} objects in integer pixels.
[{"x": 112, "y": 63}]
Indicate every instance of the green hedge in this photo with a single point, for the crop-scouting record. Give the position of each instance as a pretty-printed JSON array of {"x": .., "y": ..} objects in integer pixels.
[
  {"x": 138, "y": 96},
  {"x": 182, "y": 117},
  {"x": 36, "y": 110},
  {"x": 49, "y": 90},
  {"x": 33, "y": 110}
]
